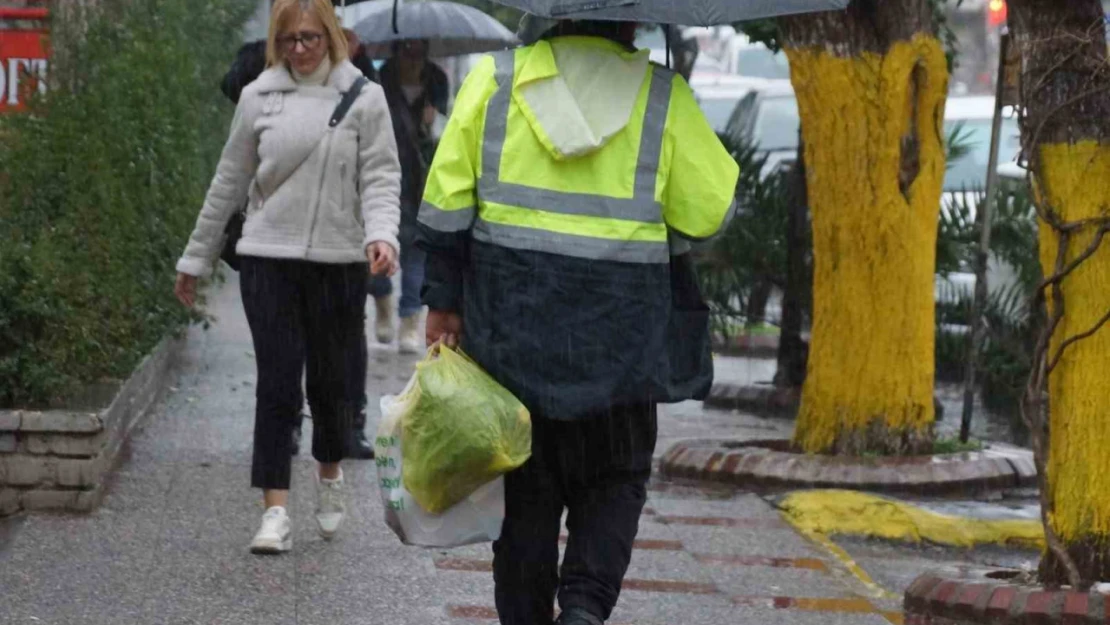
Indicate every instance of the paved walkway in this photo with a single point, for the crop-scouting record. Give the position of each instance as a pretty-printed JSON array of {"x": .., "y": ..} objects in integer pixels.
[{"x": 169, "y": 545}]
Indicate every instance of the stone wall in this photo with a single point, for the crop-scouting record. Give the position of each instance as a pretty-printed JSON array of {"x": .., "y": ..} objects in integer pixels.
[{"x": 60, "y": 459}]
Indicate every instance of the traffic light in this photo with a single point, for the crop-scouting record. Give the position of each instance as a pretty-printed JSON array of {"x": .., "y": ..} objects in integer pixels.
[{"x": 996, "y": 12}]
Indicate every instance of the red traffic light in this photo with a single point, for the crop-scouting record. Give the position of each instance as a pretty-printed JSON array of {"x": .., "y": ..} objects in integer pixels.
[{"x": 996, "y": 12}]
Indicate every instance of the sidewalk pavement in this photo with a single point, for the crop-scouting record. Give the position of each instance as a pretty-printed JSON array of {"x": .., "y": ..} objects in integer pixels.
[{"x": 169, "y": 544}]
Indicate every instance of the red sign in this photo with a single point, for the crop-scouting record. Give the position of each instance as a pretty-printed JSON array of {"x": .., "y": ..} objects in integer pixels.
[{"x": 23, "y": 67}]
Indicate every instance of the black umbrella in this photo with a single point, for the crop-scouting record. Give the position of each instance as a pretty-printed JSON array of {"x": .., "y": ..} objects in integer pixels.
[
  {"x": 685, "y": 12},
  {"x": 449, "y": 28}
]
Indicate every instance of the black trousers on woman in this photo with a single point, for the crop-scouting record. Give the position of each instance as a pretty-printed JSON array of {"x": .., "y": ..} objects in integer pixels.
[{"x": 305, "y": 318}]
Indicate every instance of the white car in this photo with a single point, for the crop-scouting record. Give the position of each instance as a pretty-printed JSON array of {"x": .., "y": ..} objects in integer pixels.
[
  {"x": 973, "y": 116},
  {"x": 718, "y": 94},
  {"x": 768, "y": 117},
  {"x": 755, "y": 60},
  {"x": 966, "y": 178}
]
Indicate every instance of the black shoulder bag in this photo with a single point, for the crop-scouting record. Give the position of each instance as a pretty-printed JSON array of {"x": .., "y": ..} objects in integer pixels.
[{"x": 234, "y": 229}]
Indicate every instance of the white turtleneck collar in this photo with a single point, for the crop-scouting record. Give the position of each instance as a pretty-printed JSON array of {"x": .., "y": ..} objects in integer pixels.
[{"x": 318, "y": 77}]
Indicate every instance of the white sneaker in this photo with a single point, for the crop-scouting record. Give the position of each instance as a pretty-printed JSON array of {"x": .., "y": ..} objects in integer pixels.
[
  {"x": 383, "y": 321},
  {"x": 330, "y": 506},
  {"x": 276, "y": 534},
  {"x": 410, "y": 334}
]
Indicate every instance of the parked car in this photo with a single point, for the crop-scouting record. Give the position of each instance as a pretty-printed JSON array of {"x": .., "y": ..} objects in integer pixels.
[
  {"x": 718, "y": 93},
  {"x": 718, "y": 102},
  {"x": 767, "y": 117},
  {"x": 971, "y": 117},
  {"x": 755, "y": 60}
]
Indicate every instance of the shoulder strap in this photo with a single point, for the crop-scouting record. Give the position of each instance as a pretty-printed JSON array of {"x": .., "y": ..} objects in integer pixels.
[{"x": 348, "y": 100}]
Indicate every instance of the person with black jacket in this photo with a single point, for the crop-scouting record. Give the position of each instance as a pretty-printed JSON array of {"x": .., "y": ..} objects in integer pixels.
[
  {"x": 416, "y": 91},
  {"x": 249, "y": 63}
]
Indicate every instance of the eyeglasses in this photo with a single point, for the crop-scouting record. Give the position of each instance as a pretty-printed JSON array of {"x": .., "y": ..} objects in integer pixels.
[{"x": 309, "y": 40}]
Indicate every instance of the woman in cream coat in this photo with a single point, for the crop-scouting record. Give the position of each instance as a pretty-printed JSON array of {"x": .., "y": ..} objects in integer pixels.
[{"x": 323, "y": 203}]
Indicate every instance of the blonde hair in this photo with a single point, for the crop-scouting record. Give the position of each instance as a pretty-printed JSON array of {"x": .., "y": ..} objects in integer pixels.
[{"x": 284, "y": 16}]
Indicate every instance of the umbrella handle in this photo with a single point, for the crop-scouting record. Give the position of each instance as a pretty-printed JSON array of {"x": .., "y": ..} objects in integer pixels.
[{"x": 395, "y": 31}]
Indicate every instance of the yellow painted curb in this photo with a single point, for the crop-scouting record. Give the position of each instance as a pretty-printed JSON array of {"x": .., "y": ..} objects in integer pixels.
[
  {"x": 847, "y": 512},
  {"x": 874, "y": 590}
]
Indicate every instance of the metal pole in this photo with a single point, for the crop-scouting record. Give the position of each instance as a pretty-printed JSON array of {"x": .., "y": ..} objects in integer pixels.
[{"x": 983, "y": 256}]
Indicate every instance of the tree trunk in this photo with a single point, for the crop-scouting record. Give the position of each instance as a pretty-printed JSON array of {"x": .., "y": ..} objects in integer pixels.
[
  {"x": 1066, "y": 88},
  {"x": 791, "y": 369},
  {"x": 755, "y": 312},
  {"x": 871, "y": 83}
]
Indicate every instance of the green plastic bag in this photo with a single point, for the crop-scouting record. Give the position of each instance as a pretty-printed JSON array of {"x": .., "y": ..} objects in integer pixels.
[{"x": 460, "y": 430}]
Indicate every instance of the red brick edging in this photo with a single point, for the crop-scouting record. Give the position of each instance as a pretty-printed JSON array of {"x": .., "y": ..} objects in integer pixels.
[
  {"x": 934, "y": 599},
  {"x": 760, "y": 399},
  {"x": 769, "y": 464}
]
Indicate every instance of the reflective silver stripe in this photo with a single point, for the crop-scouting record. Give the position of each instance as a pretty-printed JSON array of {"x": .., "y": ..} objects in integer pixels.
[
  {"x": 571, "y": 245},
  {"x": 497, "y": 115},
  {"x": 677, "y": 244},
  {"x": 647, "y": 165},
  {"x": 634, "y": 209},
  {"x": 444, "y": 220},
  {"x": 651, "y": 139},
  {"x": 642, "y": 207}
]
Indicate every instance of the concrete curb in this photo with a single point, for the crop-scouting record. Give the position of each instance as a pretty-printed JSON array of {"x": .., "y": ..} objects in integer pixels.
[
  {"x": 756, "y": 398},
  {"x": 768, "y": 400},
  {"x": 60, "y": 459},
  {"x": 942, "y": 599},
  {"x": 768, "y": 464},
  {"x": 748, "y": 344}
]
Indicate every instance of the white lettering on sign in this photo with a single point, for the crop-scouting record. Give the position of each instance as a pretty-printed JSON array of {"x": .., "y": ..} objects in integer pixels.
[
  {"x": 41, "y": 67},
  {"x": 15, "y": 72},
  {"x": 14, "y": 65}
]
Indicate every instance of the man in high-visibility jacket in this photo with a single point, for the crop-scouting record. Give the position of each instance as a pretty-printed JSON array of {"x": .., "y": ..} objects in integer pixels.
[{"x": 554, "y": 217}]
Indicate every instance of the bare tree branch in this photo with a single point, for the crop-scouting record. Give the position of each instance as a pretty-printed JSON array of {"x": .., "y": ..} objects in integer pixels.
[
  {"x": 1073, "y": 339},
  {"x": 1065, "y": 271}
]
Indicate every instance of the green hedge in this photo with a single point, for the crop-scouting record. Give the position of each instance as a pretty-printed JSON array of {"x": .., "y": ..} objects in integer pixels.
[{"x": 100, "y": 184}]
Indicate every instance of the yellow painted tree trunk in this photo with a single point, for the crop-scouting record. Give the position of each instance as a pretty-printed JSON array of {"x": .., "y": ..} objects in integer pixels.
[
  {"x": 1066, "y": 87},
  {"x": 1076, "y": 183},
  {"x": 871, "y": 94}
]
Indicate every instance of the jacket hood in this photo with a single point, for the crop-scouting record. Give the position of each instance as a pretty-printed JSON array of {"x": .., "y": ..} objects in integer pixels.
[{"x": 579, "y": 92}]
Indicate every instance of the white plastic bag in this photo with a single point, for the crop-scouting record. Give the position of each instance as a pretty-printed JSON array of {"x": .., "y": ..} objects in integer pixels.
[{"x": 476, "y": 519}]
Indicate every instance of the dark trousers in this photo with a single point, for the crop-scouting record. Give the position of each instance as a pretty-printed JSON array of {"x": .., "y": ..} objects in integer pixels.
[
  {"x": 305, "y": 318},
  {"x": 412, "y": 278},
  {"x": 596, "y": 468}
]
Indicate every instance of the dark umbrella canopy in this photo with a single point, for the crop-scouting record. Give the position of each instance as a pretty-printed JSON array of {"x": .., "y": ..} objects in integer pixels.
[
  {"x": 450, "y": 28},
  {"x": 684, "y": 12}
]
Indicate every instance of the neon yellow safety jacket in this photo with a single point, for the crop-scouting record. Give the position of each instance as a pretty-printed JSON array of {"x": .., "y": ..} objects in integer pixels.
[{"x": 555, "y": 219}]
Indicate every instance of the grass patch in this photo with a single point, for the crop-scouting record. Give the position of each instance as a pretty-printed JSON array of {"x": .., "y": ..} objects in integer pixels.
[{"x": 953, "y": 445}]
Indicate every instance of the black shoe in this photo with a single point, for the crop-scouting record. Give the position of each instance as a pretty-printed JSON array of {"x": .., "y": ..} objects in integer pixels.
[
  {"x": 578, "y": 616},
  {"x": 358, "y": 447}
]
